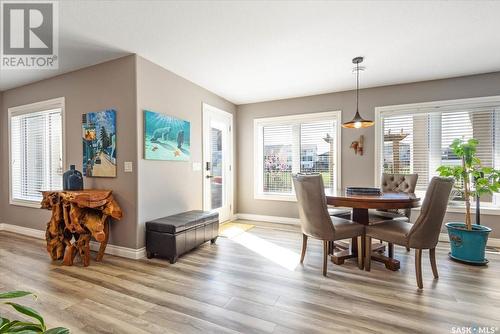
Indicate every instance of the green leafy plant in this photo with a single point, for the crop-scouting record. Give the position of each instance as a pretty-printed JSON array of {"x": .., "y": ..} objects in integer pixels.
[
  {"x": 25, "y": 327},
  {"x": 472, "y": 179}
]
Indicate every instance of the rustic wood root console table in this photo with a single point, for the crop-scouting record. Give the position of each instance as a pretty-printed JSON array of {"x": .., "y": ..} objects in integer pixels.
[{"x": 76, "y": 217}]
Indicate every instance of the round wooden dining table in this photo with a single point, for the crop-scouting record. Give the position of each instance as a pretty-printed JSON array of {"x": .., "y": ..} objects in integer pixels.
[{"x": 360, "y": 205}]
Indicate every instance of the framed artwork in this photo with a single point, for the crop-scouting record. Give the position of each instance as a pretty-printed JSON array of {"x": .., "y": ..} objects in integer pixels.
[
  {"x": 99, "y": 143},
  {"x": 166, "y": 137}
]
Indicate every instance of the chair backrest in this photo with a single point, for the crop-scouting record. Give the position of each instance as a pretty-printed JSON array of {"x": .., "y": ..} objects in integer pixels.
[
  {"x": 425, "y": 232},
  {"x": 398, "y": 182},
  {"x": 314, "y": 218}
]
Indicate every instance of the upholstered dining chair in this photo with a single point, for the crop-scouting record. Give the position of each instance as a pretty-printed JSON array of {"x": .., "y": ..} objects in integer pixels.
[
  {"x": 423, "y": 234},
  {"x": 394, "y": 183},
  {"x": 315, "y": 221},
  {"x": 405, "y": 183}
]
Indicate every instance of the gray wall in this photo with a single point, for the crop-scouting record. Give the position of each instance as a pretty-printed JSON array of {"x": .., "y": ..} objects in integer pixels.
[
  {"x": 103, "y": 86},
  {"x": 168, "y": 187},
  {"x": 129, "y": 85},
  {"x": 356, "y": 170}
]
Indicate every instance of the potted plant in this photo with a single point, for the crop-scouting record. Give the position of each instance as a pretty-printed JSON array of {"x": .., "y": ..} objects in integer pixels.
[
  {"x": 25, "y": 326},
  {"x": 472, "y": 180}
]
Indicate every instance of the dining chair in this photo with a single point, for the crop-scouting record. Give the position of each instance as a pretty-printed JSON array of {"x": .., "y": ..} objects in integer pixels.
[
  {"x": 405, "y": 183},
  {"x": 423, "y": 234},
  {"x": 315, "y": 221},
  {"x": 394, "y": 183}
]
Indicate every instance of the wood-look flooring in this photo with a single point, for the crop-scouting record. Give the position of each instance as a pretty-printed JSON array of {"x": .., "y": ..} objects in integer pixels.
[{"x": 228, "y": 288}]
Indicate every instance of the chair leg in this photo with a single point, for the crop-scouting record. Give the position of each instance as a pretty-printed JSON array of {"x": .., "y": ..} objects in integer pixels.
[
  {"x": 361, "y": 243},
  {"x": 368, "y": 252},
  {"x": 304, "y": 246},
  {"x": 432, "y": 256},
  {"x": 325, "y": 256},
  {"x": 418, "y": 268},
  {"x": 390, "y": 247}
]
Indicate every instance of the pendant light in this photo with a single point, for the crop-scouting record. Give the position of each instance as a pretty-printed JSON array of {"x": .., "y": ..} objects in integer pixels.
[{"x": 358, "y": 121}]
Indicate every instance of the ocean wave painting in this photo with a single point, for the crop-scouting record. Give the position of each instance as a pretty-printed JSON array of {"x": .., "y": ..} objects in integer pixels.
[{"x": 166, "y": 137}]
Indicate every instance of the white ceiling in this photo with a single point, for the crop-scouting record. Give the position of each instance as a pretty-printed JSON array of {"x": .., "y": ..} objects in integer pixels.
[{"x": 248, "y": 51}]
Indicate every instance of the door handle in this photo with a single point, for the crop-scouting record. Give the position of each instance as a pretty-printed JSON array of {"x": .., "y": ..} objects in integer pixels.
[{"x": 209, "y": 176}]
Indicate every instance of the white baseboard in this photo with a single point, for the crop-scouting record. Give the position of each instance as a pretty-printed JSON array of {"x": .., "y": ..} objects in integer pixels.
[
  {"x": 125, "y": 252},
  {"x": 30, "y": 232},
  {"x": 269, "y": 219},
  {"x": 120, "y": 251},
  {"x": 492, "y": 242}
]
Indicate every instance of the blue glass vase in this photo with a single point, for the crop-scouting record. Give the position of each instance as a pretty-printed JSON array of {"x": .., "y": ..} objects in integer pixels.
[{"x": 72, "y": 179}]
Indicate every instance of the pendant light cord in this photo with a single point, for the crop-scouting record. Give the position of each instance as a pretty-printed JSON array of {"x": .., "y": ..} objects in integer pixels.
[{"x": 357, "y": 87}]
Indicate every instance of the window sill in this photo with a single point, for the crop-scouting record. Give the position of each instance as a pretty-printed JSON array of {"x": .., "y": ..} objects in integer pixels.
[
  {"x": 25, "y": 203},
  {"x": 485, "y": 210},
  {"x": 276, "y": 197}
]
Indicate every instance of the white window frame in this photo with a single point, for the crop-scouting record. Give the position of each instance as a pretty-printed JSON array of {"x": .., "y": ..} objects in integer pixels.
[
  {"x": 56, "y": 103},
  {"x": 428, "y": 107},
  {"x": 259, "y": 124}
]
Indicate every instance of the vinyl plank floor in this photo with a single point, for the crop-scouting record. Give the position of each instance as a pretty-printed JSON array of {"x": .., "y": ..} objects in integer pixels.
[{"x": 250, "y": 284}]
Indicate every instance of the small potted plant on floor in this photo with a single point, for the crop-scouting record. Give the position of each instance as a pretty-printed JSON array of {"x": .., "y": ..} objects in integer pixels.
[
  {"x": 25, "y": 326},
  {"x": 472, "y": 180}
]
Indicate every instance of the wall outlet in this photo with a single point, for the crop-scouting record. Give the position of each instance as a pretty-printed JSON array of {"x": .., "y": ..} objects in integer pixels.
[
  {"x": 196, "y": 166},
  {"x": 127, "y": 165}
]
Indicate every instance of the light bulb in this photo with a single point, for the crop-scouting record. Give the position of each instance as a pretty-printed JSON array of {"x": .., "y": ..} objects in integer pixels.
[{"x": 357, "y": 125}]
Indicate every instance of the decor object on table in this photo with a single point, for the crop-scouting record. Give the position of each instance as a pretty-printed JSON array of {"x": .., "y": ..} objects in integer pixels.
[
  {"x": 25, "y": 326},
  {"x": 166, "y": 137},
  {"x": 358, "y": 121},
  {"x": 468, "y": 241},
  {"x": 79, "y": 215},
  {"x": 175, "y": 235},
  {"x": 357, "y": 145},
  {"x": 72, "y": 179},
  {"x": 363, "y": 191},
  {"x": 99, "y": 143}
]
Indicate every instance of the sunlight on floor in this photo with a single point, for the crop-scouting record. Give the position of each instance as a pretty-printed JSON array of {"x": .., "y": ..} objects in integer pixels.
[{"x": 277, "y": 254}]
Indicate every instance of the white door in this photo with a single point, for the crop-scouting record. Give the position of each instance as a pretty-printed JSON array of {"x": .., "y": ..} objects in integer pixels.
[{"x": 217, "y": 161}]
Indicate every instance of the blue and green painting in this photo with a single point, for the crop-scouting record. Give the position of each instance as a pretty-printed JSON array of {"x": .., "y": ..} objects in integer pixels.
[
  {"x": 166, "y": 137},
  {"x": 99, "y": 143}
]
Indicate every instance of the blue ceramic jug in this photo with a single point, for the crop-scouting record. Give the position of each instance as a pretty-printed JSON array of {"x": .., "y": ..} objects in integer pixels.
[{"x": 72, "y": 179}]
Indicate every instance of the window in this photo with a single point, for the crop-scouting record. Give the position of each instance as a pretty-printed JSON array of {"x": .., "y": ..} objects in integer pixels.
[
  {"x": 295, "y": 144},
  {"x": 416, "y": 138},
  {"x": 36, "y": 150}
]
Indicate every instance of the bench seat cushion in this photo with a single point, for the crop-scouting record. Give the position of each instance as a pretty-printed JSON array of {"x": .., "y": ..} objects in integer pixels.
[{"x": 181, "y": 222}]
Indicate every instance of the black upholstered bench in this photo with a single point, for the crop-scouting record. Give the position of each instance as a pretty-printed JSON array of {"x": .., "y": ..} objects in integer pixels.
[{"x": 175, "y": 235}]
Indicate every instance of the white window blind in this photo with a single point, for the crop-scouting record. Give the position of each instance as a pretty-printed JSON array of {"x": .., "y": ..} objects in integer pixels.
[
  {"x": 417, "y": 141},
  {"x": 295, "y": 144},
  {"x": 35, "y": 153}
]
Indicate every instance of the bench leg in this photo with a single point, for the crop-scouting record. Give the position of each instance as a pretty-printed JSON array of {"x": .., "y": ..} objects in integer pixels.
[
  {"x": 149, "y": 255},
  {"x": 213, "y": 240},
  {"x": 173, "y": 260}
]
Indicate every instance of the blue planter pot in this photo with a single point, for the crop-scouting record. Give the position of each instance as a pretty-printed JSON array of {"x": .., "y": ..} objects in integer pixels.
[{"x": 468, "y": 246}]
